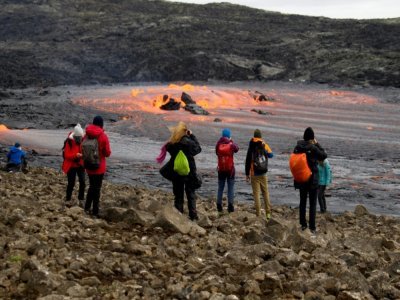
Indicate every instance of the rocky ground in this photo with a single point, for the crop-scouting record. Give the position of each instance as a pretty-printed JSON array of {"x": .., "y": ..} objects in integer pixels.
[{"x": 142, "y": 248}]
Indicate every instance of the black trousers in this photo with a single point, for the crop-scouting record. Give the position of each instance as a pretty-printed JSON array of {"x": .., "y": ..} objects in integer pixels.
[
  {"x": 179, "y": 186},
  {"x": 312, "y": 193},
  {"x": 321, "y": 198},
  {"x": 71, "y": 175},
  {"x": 93, "y": 195}
]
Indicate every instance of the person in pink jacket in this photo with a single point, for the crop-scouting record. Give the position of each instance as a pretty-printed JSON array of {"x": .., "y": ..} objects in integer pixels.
[{"x": 96, "y": 176}]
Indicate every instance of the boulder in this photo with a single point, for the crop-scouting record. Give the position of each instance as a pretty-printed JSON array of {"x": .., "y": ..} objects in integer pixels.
[
  {"x": 196, "y": 109},
  {"x": 187, "y": 99},
  {"x": 171, "y": 219},
  {"x": 171, "y": 105},
  {"x": 360, "y": 211}
]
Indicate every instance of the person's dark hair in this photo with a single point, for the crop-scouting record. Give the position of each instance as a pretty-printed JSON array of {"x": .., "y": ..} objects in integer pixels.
[{"x": 98, "y": 121}]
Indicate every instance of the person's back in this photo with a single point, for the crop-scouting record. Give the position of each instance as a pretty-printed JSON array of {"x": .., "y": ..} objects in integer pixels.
[
  {"x": 96, "y": 131},
  {"x": 225, "y": 149},
  {"x": 314, "y": 153},
  {"x": 258, "y": 149},
  {"x": 183, "y": 140}
]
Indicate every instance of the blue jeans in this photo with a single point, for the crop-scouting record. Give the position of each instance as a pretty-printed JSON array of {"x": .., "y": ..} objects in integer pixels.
[{"x": 222, "y": 178}]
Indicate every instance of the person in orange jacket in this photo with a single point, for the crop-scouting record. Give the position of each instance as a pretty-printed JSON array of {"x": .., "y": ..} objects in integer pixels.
[
  {"x": 72, "y": 164},
  {"x": 96, "y": 131}
]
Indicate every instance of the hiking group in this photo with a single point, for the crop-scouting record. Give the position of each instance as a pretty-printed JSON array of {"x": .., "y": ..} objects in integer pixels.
[
  {"x": 87, "y": 153},
  {"x": 308, "y": 164}
]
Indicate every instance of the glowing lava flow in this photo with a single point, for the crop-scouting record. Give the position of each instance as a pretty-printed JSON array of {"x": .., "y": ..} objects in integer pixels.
[{"x": 150, "y": 98}]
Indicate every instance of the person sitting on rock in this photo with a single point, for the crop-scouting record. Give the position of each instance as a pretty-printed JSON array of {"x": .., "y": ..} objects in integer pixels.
[
  {"x": 73, "y": 164},
  {"x": 16, "y": 159},
  {"x": 257, "y": 157},
  {"x": 225, "y": 149},
  {"x": 182, "y": 139}
]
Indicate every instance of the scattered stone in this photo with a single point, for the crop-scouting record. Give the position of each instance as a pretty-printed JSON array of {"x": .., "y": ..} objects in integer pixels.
[
  {"x": 360, "y": 210},
  {"x": 196, "y": 109},
  {"x": 217, "y": 120},
  {"x": 261, "y": 112}
]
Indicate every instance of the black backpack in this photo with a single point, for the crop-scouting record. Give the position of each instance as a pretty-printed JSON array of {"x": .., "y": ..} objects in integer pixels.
[
  {"x": 67, "y": 140},
  {"x": 90, "y": 153},
  {"x": 260, "y": 160}
]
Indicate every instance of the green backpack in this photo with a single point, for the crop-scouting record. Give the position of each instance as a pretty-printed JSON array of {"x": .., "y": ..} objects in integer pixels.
[{"x": 181, "y": 164}]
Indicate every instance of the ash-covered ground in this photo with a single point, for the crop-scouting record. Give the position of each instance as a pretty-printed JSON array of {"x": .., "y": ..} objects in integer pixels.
[{"x": 359, "y": 128}]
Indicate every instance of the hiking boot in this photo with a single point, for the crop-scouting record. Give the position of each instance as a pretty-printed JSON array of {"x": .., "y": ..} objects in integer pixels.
[
  {"x": 268, "y": 217},
  {"x": 303, "y": 227},
  {"x": 231, "y": 208}
]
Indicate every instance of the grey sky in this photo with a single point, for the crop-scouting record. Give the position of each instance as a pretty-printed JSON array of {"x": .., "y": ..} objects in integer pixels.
[{"x": 356, "y": 9}]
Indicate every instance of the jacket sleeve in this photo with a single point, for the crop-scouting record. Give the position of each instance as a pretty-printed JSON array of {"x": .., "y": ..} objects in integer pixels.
[
  {"x": 269, "y": 154},
  {"x": 235, "y": 147},
  {"x": 248, "y": 161},
  {"x": 194, "y": 146},
  {"x": 68, "y": 153},
  {"x": 319, "y": 152},
  {"x": 106, "y": 146},
  {"x": 328, "y": 171}
]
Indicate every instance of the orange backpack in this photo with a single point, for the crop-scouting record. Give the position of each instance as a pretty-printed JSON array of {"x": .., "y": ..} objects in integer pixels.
[{"x": 299, "y": 167}]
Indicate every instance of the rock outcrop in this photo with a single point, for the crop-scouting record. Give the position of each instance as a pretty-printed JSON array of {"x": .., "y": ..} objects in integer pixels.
[{"x": 142, "y": 248}]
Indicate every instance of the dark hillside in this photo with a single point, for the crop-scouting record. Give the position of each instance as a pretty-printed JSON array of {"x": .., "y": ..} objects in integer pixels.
[{"x": 52, "y": 42}]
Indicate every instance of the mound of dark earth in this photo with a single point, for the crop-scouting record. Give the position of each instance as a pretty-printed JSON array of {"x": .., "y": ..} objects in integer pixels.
[{"x": 96, "y": 41}]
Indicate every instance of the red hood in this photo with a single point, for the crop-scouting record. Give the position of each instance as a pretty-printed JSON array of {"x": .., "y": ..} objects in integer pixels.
[
  {"x": 94, "y": 131},
  {"x": 224, "y": 140}
]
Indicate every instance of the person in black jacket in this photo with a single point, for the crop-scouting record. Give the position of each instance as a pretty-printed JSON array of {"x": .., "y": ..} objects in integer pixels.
[
  {"x": 183, "y": 139},
  {"x": 314, "y": 153}
]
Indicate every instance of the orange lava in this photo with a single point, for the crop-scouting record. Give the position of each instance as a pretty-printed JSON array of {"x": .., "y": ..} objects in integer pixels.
[{"x": 3, "y": 127}]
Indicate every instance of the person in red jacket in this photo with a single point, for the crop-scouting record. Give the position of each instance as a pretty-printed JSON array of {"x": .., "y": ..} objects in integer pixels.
[
  {"x": 72, "y": 164},
  {"x": 96, "y": 176},
  {"x": 225, "y": 150}
]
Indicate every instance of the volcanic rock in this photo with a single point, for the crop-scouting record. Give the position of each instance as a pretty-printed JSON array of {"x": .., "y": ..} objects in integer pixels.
[
  {"x": 51, "y": 254},
  {"x": 196, "y": 109},
  {"x": 261, "y": 112},
  {"x": 171, "y": 105},
  {"x": 187, "y": 99}
]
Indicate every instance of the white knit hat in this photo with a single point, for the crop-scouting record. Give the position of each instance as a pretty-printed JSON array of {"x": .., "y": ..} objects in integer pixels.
[{"x": 78, "y": 131}]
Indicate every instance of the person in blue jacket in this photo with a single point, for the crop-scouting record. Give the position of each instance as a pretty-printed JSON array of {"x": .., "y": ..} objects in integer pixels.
[
  {"x": 325, "y": 179},
  {"x": 16, "y": 159}
]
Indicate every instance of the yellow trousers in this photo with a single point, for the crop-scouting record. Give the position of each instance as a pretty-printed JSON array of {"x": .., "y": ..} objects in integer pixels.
[{"x": 257, "y": 183}]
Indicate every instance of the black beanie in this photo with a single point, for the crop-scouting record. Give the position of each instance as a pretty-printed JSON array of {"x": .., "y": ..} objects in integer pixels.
[
  {"x": 98, "y": 121},
  {"x": 308, "y": 134}
]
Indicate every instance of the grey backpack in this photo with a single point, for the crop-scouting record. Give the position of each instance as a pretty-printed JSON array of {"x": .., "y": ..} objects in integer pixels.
[{"x": 90, "y": 154}]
